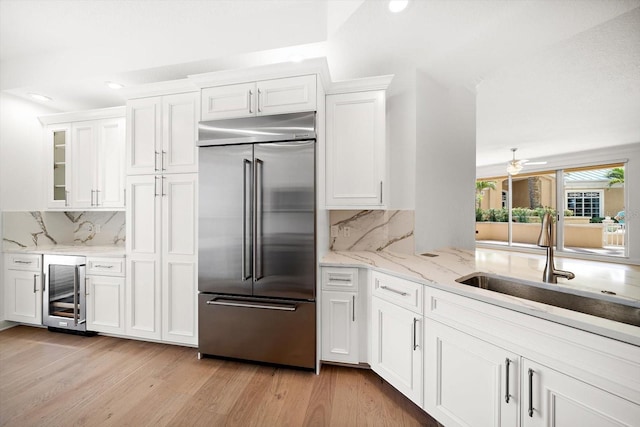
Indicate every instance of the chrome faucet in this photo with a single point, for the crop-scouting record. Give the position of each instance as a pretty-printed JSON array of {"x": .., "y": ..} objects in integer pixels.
[{"x": 545, "y": 240}]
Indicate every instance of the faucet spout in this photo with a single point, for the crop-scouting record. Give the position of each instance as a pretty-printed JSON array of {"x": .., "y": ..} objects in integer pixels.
[{"x": 550, "y": 274}]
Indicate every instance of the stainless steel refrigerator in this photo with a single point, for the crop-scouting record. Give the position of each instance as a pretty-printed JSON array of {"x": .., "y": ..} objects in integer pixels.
[{"x": 256, "y": 257}]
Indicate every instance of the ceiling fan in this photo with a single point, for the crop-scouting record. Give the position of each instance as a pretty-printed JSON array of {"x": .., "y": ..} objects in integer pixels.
[{"x": 515, "y": 166}]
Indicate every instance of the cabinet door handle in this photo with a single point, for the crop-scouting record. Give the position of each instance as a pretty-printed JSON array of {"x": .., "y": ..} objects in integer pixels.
[
  {"x": 162, "y": 183},
  {"x": 35, "y": 279},
  {"x": 395, "y": 291},
  {"x": 530, "y": 392},
  {"x": 415, "y": 340},
  {"x": 97, "y": 197},
  {"x": 164, "y": 154},
  {"x": 155, "y": 186},
  {"x": 92, "y": 191},
  {"x": 380, "y": 192},
  {"x": 507, "y": 362},
  {"x": 353, "y": 308},
  {"x": 250, "y": 101},
  {"x": 259, "y": 101},
  {"x": 86, "y": 286}
]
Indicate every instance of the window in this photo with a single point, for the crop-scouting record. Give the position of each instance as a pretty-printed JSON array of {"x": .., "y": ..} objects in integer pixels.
[
  {"x": 585, "y": 203},
  {"x": 589, "y": 209}
]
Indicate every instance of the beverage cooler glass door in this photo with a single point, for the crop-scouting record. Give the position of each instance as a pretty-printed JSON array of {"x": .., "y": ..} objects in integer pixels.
[{"x": 64, "y": 297}]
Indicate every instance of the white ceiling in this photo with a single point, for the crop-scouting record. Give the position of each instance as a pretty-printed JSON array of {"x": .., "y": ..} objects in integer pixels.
[{"x": 550, "y": 76}]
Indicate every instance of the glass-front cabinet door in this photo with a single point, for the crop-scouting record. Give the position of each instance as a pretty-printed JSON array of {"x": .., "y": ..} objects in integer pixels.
[{"x": 57, "y": 146}]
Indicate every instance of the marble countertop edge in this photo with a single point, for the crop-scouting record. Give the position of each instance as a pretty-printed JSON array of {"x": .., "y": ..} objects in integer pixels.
[{"x": 102, "y": 251}]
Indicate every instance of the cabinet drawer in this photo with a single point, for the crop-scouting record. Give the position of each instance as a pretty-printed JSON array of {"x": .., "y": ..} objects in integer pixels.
[
  {"x": 31, "y": 262},
  {"x": 105, "y": 266},
  {"x": 398, "y": 291},
  {"x": 340, "y": 279}
]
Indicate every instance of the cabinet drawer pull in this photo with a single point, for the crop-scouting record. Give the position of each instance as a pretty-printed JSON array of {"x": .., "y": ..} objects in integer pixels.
[
  {"x": 155, "y": 161},
  {"x": 259, "y": 101},
  {"x": 380, "y": 192},
  {"x": 339, "y": 279},
  {"x": 530, "y": 392},
  {"x": 415, "y": 341},
  {"x": 103, "y": 266},
  {"x": 250, "y": 101},
  {"x": 35, "y": 279},
  {"x": 395, "y": 291},
  {"x": 507, "y": 362},
  {"x": 18, "y": 261},
  {"x": 164, "y": 153}
]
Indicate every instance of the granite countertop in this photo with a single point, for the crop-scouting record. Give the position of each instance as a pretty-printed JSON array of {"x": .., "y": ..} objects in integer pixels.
[
  {"x": 101, "y": 251},
  {"x": 449, "y": 264}
]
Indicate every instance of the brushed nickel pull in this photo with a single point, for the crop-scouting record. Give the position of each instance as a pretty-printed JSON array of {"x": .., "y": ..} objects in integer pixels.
[
  {"x": 103, "y": 266},
  {"x": 164, "y": 153},
  {"x": 35, "y": 278},
  {"x": 162, "y": 183},
  {"x": 404, "y": 294},
  {"x": 380, "y": 192},
  {"x": 155, "y": 186},
  {"x": 530, "y": 392},
  {"x": 507, "y": 362},
  {"x": 259, "y": 101},
  {"x": 250, "y": 101},
  {"x": 339, "y": 279},
  {"x": 415, "y": 341},
  {"x": 97, "y": 198},
  {"x": 155, "y": 161},
  {"x": 353, "y": 308},
  {"x": 92, "y": 191},
  {"x": 17, "y": 261},
  {"x": 239, "y": 303}
]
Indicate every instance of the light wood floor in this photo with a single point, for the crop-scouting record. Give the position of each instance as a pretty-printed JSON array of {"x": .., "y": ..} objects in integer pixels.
[{"x": 56, "y": 379}]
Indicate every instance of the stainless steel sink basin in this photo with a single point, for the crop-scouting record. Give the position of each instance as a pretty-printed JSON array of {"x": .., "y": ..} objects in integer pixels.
[{"x": 606, "y": 307}]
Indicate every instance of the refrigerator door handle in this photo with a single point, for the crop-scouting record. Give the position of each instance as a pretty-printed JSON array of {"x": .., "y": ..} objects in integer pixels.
[
  {"x": 251, "y": 304},
  {"x": 258, "y": 219},
  {"x": 246, "y": 220}
]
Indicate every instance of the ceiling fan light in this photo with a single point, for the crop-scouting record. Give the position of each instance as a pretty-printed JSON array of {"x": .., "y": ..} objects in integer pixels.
[{"x": 513, "y": 168}]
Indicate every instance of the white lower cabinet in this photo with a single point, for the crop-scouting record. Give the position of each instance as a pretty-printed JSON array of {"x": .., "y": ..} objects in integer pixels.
[
  {"x": 23, "y": 288},
  {"x": 105, "y": 304},
  {"x": 553, "y": 399},
  {"x": 339, "y": 327},
  {"x": 105, "y": 285},
  {"x": 480, "y": 369},
  {"x": 161, "y": 300},
  {"x": 396, "y": 347},
  {"x": 467, "y": 381}
]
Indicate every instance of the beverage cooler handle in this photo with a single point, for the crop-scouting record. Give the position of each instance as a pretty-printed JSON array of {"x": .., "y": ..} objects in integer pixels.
[
  {"x": 75, "y": 296},
  {"x": 258, "y": 219},
  {"x": 246, "y": 217}
]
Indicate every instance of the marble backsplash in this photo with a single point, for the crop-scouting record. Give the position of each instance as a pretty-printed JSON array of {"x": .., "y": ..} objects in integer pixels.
[
  {"x": 46, "y": 228},
  {"x": 372, "y": 230}
]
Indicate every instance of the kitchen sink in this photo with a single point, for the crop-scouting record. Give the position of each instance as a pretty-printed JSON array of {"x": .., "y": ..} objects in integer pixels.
[{"x": 605, "y": 306}]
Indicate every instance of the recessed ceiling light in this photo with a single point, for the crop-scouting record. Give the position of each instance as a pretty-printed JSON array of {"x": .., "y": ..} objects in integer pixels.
[
  {"x": 39, "y": 97},
  {"x": 296, "y": 58},
  {"x": 396, "y": 6},
  {"x": 114, "y": 85}
]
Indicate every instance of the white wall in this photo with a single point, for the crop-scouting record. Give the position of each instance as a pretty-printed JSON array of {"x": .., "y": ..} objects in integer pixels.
[
  {"x": 21, "y": 154},
  {"x": 21, "y": 163},
  {"x": 445, "y": 166}
]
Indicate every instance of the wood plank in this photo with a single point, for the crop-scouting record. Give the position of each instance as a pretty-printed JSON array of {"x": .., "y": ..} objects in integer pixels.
[{"x": 50, "y": 378}]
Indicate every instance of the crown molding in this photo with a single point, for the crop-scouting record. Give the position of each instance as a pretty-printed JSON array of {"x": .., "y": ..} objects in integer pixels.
[
  {"x": 78, "y": 116},
  {"x": 360, "y": 85},
  {"x": 168, "y": 87}
]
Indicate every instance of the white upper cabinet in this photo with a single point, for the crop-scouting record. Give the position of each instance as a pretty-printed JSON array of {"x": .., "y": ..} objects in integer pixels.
[
  {"x": 276, "y": 96},
  {"x": 162, "y": 134},
  {"x": 97, "y": 159},
  {"x": 85, "y": 159},
  {"x": 356, "y": 150},
  {"x": 57, "y": 145}
]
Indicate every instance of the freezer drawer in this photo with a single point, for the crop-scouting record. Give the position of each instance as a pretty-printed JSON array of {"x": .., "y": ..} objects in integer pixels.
[{"x": 258, "y": 329}]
